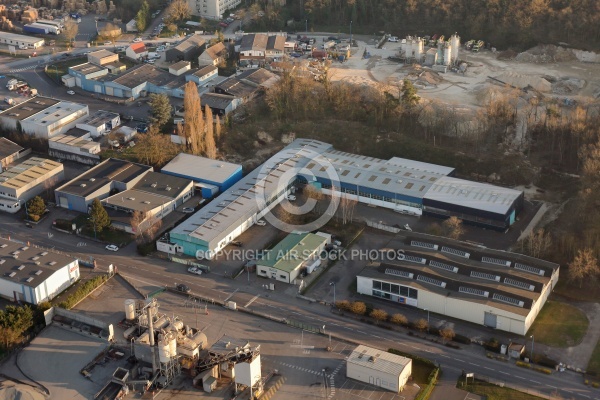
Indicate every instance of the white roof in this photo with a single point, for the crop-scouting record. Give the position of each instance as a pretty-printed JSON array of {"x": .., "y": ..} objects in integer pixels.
[
  {"x": 476, "y": 195},
  {"x": 20, "y": 38},
  {"x": 201, "y": 168},
  {"x": 56, "y": 112},
  {"x": 238, "y": 203},
  {"x": 378, "y": 360}
]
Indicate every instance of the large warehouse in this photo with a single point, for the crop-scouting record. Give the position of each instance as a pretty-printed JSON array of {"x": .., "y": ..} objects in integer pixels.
[
  {"x": 498, "y": 289},
  {"x": 34, "y": 275},
  {"x": 29, "y": 178},
  {"x": 379, "y": 368},
  {"x": 399, "y": 184}
]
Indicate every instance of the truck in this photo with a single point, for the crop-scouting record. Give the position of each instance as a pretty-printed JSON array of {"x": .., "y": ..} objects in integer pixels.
[
  {"x": 477, "y": 46},
  {"x": 328, "y": 45},
  {"x": 53, "y": 29},
  {"x": 11, "y": 82},
  {"x": 9, "y": 101},
  {"x": 35, "y": 29},
  {"x": 16, "y": 85}
]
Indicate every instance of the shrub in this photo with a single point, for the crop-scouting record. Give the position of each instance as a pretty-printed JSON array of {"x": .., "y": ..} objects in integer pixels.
[
  {"x": 399, "y": 319},
  {"x": 379, "y": 315},
  {"x": 358, "y": 307},
  {"x": 343, "y": 305},
  {"x": 546, "y": 371},
  {"x": 523, "y": 364},
  {"x": 34, "y": 218},
  {"x": 81, "y": 292},
  {"x": 447, "y": 333},
  {"x": 596, "y": 385},
  {"x": 545, "y": 361},
  {"x": 421, "y": 325},
  {"x": 461, "y": 339},
  {"x": 492, "y": 345}
]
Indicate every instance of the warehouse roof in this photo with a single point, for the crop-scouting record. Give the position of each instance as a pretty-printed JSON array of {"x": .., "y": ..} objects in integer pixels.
[
  {"x": 141, "y": 74},
  {"x": 162, "y": 184},
  {"x": 217, "y": 50},
  {"x": 179, "y": 65},
  {"x": 8, "y": 148},
  {"x": 379, "y": 360},
  {"x": 20, "y": 38},
  {"x": 202, "y": 168},
  {"x": 87, "y": 68},
  {"x": 137, "y": 200},
  {"x": 74, "y": 141},
  {"x": 216, "y": 100},
  {"x": 226, "y": 212},
  {"x": 276, "y": 42},
  {"x": 205, "y": 70},
  {"x": 103, "y": 174},
  {"x": 27, "y": 171},
  {"x": 254, "y": 41},
  {"x": 480, "y": 196},
  {"x": 189, "y": 43},
  {"x": 258, "y": 77},
  {"x": 98, "y": 118},
  {"x": 295, "y": 249},
  {"x": 29, "y": 265},
  {"x": 30, "y": 107},
  {"x": 101, "y": 54}
]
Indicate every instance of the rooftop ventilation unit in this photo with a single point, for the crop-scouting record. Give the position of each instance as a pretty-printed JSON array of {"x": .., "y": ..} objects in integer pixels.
[
  {"x": 12, "y": 274},
  {"x": 83, "y": 185},
  {"x": 28, "y": 280},
  {"x": 39, "y": 272},
  {"x": 21, "y": 267},
  {"x": 92, "y": 179}
]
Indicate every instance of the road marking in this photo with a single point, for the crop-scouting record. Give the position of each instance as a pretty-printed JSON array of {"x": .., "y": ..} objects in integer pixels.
[
  {"x": 231, "y": 295},
  {"x": 445, "y": 356},
  {"x": 364, "y": 333},
  {"x": 477, "y": 365},
  {"x": 252, "y": 300},
  {"x": 531, "y": 380},
  {"x": 520, "y": 377},
  {"x": 491, "y": 369},
  {"x": 505, "y": 373},
  {"x": 458, "y": 359}
]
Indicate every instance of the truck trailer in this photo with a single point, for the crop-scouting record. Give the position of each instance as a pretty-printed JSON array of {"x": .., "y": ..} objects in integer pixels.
[
  {"x": 53, "y": 29},
  {"x": 35, "y": 29}
]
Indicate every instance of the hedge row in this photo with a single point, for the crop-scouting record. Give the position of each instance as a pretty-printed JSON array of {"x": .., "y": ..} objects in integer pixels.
[
  {"x": 82, "y": 291},
  {"x": 432, "y": 381},
  {"x": 421, "y": 360}
]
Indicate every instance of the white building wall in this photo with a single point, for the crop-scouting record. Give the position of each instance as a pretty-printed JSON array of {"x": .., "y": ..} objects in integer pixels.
[
  {"x": 379, "y": 378},
  {"x": 462, "y": 309},
  {"x": 57, "y": 282}
]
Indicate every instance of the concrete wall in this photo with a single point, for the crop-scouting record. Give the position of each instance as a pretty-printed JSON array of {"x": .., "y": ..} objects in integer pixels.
[
  {"x": 89, "y": 159},
  {"x": 379, "y": 378}
]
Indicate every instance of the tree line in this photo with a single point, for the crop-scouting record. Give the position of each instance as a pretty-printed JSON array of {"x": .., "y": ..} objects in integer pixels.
[{"x": 518, "y": 24}]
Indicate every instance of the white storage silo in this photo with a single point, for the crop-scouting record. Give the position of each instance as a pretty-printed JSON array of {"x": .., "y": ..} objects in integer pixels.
[
  {"x": 177, "y": 326},
  {"x": 129, "y": 309},
  {"x": 164, "y": 352},
  {"x": 455, "y": 44},
  {"x": 447, "y": 54},
  {"x": 171, "y": 338},
  {"x": 419, "y": 48},
  {"x": 407, "y": 46}
]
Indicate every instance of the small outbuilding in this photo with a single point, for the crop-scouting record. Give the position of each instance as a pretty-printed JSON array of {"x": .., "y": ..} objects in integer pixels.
[{"x": 379, "y": 368}]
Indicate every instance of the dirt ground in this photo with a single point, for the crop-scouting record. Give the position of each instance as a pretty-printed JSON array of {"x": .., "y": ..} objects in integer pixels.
[{"x": 567, "y": 79}]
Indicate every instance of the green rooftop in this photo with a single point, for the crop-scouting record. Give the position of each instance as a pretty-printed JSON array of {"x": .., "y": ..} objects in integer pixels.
[{"x": 292, "y": 251}]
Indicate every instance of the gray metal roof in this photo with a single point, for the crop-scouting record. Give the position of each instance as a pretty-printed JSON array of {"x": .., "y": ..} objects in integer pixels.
[
  {"x": 196, "y": 167},
  {"x": 163, "y": 184},
  {"x": 87, "y": 68},
  {"x": 378, "y": 360},
  {"x": 226, "y": 212},
  {"x": 30, "y": 107},
  {"x": 137, "y": 200},
  {"x": 8, "y": 148},
  {"x": 476, "y": 195},
  {"x": 29, "y": 265}
]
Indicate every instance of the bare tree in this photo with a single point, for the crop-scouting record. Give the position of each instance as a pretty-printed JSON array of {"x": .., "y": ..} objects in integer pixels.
[
  {"x": 347, "y": 206},
  {"x": 537, "y": 243},
  {"x": 217, "y": 128},
  {"x": 584, "y": 267},
  {"x": 178, "y": 11},
  {"x": 379, "y": 315},
  {"x": 453, "y": 228},
  {"x": 70, "y": 31},
  {"x": 447, "y": 334},
  {"x": 136, "y": 221}
]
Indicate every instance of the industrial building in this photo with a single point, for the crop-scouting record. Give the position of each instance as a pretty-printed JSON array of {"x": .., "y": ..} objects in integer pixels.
[
  {"x": 213, "y": 55},
  {"x": 379, "y": 368},
  {"x": 187, "y": 50},
  {"x": 155, "y": 196},
  {"x": 498, "y": 289},
  {"x": 29, "y": 178},
  {"x": 12, "y": 39},
  {"x": 43, "y": 117},
  {"x": 106, "y": 178},
  {"x": 220, "y": 104},
  {"x": 256, "y": 49},
  {"x": 75, "y": 148},
  {"x": 32, "y": 275},
  {"x": 103, "y": 57},
  {"x": 399, "y": 184},
  {"x": 99, "y": 123},
  {"x": 288, "y": 258},
  {"x": 9, "y": 152},
  {"x": 247, "y": 85},
  {"x": 210, "y": 176}
]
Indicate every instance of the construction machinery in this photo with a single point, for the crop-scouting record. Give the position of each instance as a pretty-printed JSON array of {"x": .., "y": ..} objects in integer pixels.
[{"x": 478, "y": 46}]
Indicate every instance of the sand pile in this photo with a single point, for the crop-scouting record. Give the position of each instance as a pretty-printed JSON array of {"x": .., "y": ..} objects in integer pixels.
[
  {"x": 546, "y": 54},
  {"x": 522, "y": 81},
  {"x": 568, "y": 85},
  {"x": 11, "y": 390}
]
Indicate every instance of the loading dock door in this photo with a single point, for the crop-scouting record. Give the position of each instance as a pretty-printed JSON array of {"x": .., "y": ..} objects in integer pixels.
[{"x": 490, "y": 320}]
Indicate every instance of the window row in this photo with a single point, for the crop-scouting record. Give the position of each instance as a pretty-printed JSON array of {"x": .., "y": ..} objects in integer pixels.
[{"x": 395, "y": 289}]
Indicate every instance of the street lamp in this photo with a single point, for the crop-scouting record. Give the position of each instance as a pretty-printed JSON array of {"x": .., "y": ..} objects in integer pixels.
[
  {"x": 532, "y": 342},
  {"x": 306, "y": 28},
  {"x": 426, "y": 309},
  {"x": 350, "y": 33},
  {"x": 333, "y": 284}
]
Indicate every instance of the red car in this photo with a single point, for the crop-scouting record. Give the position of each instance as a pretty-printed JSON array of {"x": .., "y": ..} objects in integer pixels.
[{"x": 224, "y": 24}]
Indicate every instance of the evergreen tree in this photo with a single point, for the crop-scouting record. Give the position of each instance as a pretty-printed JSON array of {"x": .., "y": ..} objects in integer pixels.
[
  {"x": 409, "y": 96},
  {"x": 161, "y": 109},
  {"x": 98, "y": 216},
  {"x": 36, "y": 206}
]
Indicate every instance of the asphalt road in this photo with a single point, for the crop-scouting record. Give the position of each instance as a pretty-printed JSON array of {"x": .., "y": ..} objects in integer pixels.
[{"x": 150, "y": 273}]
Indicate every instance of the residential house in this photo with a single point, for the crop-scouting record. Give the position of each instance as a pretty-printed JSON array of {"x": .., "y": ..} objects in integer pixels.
[{"x": 136, "y": 51}]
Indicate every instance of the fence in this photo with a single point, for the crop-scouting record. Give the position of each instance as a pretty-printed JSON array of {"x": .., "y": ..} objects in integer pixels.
[{"x": 383, "y": 227}]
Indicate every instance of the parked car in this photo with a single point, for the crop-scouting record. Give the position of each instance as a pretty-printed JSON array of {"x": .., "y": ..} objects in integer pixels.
[
  {"x": 195, "y": 270},
  {"x": 70, "y": 92},
  {"x": 137, "y": 40},
  {"x": 149, "y": 61},
  {"x": 188, "y": 210},
  {"x": 108, "y": 43},
  {"x": 261, "y": 222},
  {"x": 223, "y": 24},
  {"x": 180, "y": 287},
  {"x": 112, "y": 247},
  {"x": 393, "y": 39},
  {"x": 291, "y": 197},
  {"x": 237, "y": 243}
]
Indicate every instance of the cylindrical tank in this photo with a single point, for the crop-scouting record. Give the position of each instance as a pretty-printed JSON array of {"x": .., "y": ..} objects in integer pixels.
[
  {"x": 129, "y": 309},
  {"x": 419, "y": 48},
  {"x": 164, "y": 352},
  {"x": 455, "y": 44},
  {"x": 172, "y": 338},
  {"x": 447, "y": 54},
  {"x": 188, "y": 331},
  {"x": 201, "y": 339},
  {"x": 178, "y": 325},
  {"x": 143, "y": 320}
]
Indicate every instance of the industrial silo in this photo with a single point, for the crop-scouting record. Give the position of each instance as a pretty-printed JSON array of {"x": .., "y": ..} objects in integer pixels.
[
  {"x": 447, "y": 54},
  {"x": 129, "y": 309},
  {"x": 171, "y": 338},
  {"x": 419, "y": 49},
  {"x": 455, "y": 45},
  {"x": 164, "y": 352}
]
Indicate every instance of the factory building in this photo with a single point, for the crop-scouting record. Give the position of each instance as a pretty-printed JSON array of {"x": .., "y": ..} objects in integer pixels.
[
  {"x": 210, "y": 176},
  {"x": 498, "y": 289},
  {"x": 106, "y": 178},
  {"x": 379, "y": 368},
  {"x": 398, "y": 184},
  {"x": 285, "y": 261},
  {"x": 43, "y": 117},
  {"x": 29, "y": 178},
  {"x": 32, "y": 275},
  {"x": 12, "y": 39},
  {"x": 10, "y": 152}
]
